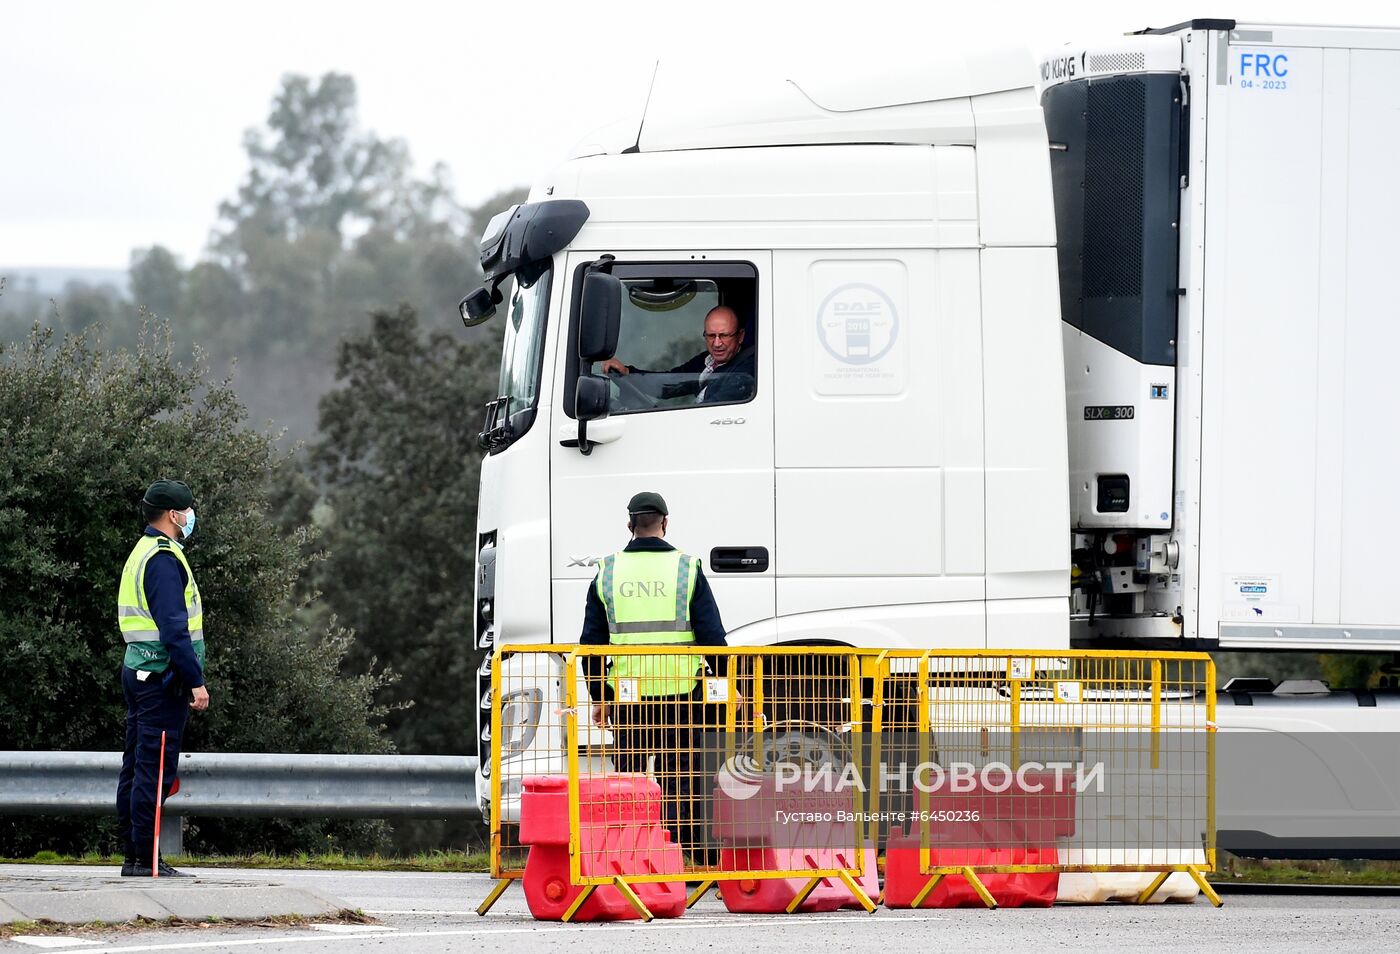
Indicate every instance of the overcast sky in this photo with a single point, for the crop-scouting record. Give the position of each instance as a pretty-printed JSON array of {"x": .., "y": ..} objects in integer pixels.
[{"x": 121, "y": 122}]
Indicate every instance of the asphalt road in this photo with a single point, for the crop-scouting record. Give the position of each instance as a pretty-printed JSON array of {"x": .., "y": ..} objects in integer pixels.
[{"x": 436, "y": 913}]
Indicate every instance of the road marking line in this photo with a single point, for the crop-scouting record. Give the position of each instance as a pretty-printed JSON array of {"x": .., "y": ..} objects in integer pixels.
[
  {"x": 353, "y": 928},
  {"x": 330, "y": 874},
  {"x": 679, "y": 924},
  {"x": 38, "y": 940},
  {"x": 413, "y": 911},
  {"x": 263, "y": 874}
]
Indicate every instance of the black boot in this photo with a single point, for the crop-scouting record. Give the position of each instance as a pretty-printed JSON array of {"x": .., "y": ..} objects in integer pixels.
[
  {"x": 128, "y": 860},
  {"x": 142, "y": 869}
]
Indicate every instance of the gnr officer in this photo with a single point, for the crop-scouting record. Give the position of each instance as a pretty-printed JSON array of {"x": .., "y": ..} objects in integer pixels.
[{"x": 652, "y": 594}]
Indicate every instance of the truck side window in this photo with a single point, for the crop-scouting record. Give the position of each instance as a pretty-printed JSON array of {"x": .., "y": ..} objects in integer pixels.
[{"x": 688, "y": 338}]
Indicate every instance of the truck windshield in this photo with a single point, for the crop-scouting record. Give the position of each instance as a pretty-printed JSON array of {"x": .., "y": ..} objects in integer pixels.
[{"x": 510, "y": 415}]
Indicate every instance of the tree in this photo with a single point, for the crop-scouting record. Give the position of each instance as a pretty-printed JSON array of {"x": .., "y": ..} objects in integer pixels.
[
  {"x": 81, "y": 434},
  {"x": 21, "y": 305},
  {"x": 313, "y": 169},
  {"x": 1352, "y": 671},
  {"x": 330, "y": 224},
  {"x": 213, "y": 306},
  {"x": 399, "y": 465},
  {"x": 85, "y": 305},
  {"x": 157, "y": 281}
]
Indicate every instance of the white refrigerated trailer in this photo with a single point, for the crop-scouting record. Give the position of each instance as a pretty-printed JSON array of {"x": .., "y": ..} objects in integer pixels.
[
  {"x": 1226, "y": 206},
  {"x": 1202, "y": 361}
]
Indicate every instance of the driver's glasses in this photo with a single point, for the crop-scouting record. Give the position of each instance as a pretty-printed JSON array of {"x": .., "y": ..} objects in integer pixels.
[{"x": 720, "y": 335}]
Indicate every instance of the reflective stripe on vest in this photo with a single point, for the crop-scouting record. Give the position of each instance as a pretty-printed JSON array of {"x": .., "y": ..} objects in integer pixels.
[
  {"x": 647, "y": 597},
  {"x": 138, "y": 627}
]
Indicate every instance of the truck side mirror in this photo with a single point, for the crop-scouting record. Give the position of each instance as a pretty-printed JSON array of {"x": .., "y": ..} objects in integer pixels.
[
  {"x": 477, "y": 307},
  {"x": 599, "y": 317},
  {"x": 591, "y": 396}
]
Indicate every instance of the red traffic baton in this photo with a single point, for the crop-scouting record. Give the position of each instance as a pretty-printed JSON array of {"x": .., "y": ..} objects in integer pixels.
[{"x": 160, "y": 787}]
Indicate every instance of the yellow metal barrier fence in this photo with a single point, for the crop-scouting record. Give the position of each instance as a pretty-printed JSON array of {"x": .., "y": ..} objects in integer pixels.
[
  {"x": 719, "y": 739},
  {"x": 803, "y": 763},
  {"x": 1073, "y": 761}
]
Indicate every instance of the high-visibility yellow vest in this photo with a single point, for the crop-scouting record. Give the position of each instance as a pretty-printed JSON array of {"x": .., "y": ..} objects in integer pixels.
[
  {"x": 143, "y": 646},
  {"x": 647, "y": 595}
]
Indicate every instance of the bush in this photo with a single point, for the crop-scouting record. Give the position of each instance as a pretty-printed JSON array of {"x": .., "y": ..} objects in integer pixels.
[{"x": 82, "y": 433}]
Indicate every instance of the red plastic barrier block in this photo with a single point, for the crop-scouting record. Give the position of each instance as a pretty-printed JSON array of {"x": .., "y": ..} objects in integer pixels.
[
  {"x": 757, "y": 829},
  {"x": 904, "y": 880},
  {"x": 1015, "y": 825},
  {"x": 620, "y": 833},
  {"x": 603, "y": 800},
  {"x": 773, "y": 895},
  {"x": 1030, "y": 810}
]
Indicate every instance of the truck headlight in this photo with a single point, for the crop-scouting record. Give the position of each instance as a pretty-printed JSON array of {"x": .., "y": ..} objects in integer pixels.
[{"x": 520, "y": 720}]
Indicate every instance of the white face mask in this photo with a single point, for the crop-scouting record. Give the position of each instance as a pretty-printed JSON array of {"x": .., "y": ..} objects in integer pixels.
[{"x": 188, "y": 527}]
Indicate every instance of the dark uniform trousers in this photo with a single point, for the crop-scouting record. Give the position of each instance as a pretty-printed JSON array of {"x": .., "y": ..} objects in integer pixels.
[
  {"x": 669, "y": 732},
  {"x": 159, "y": 703}
]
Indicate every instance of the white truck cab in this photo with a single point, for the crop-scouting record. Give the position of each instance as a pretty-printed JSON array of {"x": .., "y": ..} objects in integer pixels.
[{"x": 894, "y": 474}]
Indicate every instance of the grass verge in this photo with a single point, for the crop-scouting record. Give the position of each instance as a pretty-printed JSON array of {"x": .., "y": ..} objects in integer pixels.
[
  {"x": 1370, "y": 873},
  {"x": 1232, "y": 868},
  {"x": 425, "y": 861},
  {"x": 47, "y": 927}
]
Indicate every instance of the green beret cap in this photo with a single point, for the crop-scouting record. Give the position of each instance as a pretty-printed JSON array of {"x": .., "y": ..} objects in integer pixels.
[
  {"x": 647, "y": 502},
  {"x": 169, "y": 495}
]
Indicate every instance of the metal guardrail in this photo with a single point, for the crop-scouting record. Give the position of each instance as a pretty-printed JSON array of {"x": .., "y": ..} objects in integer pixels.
[{"x": 228, "y": 785}]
